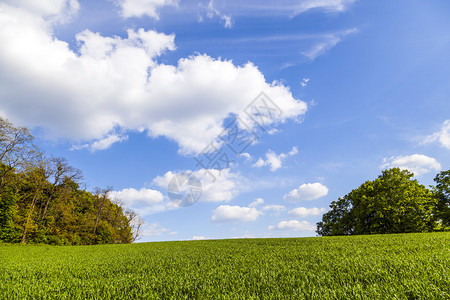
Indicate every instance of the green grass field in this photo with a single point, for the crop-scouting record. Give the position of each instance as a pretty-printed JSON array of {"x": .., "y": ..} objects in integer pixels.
[{"x": 404, "y": 266}]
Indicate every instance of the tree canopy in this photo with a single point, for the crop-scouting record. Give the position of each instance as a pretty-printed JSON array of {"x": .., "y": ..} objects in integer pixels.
[
  {"x": 41, "y": 200},
  {"x": 392, "y": 203},
  {"x": 442, "y": 191}
]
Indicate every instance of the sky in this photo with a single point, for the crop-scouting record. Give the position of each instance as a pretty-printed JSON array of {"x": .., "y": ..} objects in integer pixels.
[{"x": 274, "y": 108}]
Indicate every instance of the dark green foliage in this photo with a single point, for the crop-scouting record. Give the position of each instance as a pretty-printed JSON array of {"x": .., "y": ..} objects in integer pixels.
[
  {"x": 392, "y": 203},
  {"x": 8, "y": 200},
  {"x": 442, "y": 191},
  {"x": 401, "y": 266}
]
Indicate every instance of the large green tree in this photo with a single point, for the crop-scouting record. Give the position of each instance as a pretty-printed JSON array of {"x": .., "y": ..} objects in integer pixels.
[
  {"x": 442, "y": 191},
  {"x": 392, "y": 203}
]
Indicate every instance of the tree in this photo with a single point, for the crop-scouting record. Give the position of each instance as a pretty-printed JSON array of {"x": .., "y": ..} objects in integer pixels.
[
  {"x": 59, "y": 170},
  {"x": 392, "y": 203},
  {"x": 15, "y": 148},
  {"x": 135, "y": 222},
  {"x": 35, "y": 179},
  {"x": 442, "y": 192},
  {"x": 338, "y": 220},
  {"x": 101, "y": 197}
]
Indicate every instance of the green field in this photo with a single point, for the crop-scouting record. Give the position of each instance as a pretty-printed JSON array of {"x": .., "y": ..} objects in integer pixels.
[{"x": 403, "y": 266}]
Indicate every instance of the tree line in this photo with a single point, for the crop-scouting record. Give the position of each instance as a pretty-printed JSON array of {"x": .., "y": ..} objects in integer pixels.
[
  {"x": 392, "y": 203},
  {"x": 41, "y": 200}
]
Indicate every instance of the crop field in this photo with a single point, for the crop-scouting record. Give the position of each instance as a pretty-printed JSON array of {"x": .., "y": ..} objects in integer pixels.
[{"x": 403, "y": 266}]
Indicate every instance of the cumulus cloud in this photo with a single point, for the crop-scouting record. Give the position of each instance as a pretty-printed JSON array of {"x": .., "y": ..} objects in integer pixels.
[
  {"x": 131, "y": 195},
  {"x": 442, "y": 136},
  {"x": 143, "y": 201},
  {"x": 257, "y": 202},
  {"x": 307, "y": 191},
  {"x": 217, "y": 186},
  {"x": 274, "y": 160},
  {"x": 140, "y": 8},
  {"x": 326, "y": 43},
  {"x": 155, "y": 229},
  {"x": 417, "y": 163},
  {"x": 306, "y": 212},
  {"x": 226, "y": 213},
  {"x": 111, "y": 83},
  {"x": 275, "y": 208},
  {"x": 55, "y": 11},
  {"x": 294, "y": 225}
]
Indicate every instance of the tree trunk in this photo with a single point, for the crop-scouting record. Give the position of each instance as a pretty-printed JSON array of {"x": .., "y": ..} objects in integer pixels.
[
  {"x": 30, "y": 213},
  {"x": 47, "y": 202},
  {"x": 99, "y": 212}
]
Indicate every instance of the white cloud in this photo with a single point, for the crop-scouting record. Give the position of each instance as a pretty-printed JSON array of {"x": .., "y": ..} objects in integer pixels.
[
  {"x": 257, "y": 202},
  {"x": 225, "y": 213},
  {"x": 113, "y": 84},
  {"x": 140, "y": 8},
  {"x": 246, "y": 155},
  {"x": 306, "y": 212},
  {"x": 132, "y": 196},
  {"x": 274, "y": 160},
  {"x": 286, "y": 8},
  {"x": 54, "y": 11},
  {"x": 417, "y": 163},
  {"x": 199, "y": 237},
  {"x": 212, "y": 12},
  {"x": 328, "y": 42},
  {"x": 442, "y": 136},
  {"x": 328, "y": 5},
  {"x": 273, "y": 131},
  {"x": 273, "y": 207},
  {"x": 294, "y": 225},
  {"x": 224, "y": 188},
  {"x": 102, "y": 144},
  {"x": 244, "y": 236},
  {"x": 304, "y": 82},
  {"x": 143, "y": 201},
  {"x": 155, "y": 229},
  {"x": 307, "y": 191}
]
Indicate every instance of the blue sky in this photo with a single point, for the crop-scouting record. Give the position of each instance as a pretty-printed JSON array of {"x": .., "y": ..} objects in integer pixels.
[{"x": 130, "y": 91}]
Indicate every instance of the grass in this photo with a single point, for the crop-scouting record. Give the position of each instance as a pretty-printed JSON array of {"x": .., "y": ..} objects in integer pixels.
[{"x": 403, "y": 266}]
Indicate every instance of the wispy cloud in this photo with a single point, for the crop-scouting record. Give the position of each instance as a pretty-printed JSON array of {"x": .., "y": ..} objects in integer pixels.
[
  {"x": 289, "y": 8},
  {"x": 326, "y": 5},
  {"x": 212, "y": 12},
  {"x": 304, "y": 82},
  {"x": 327, "y": 43},
  {"x": 102, "y": 144}
]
